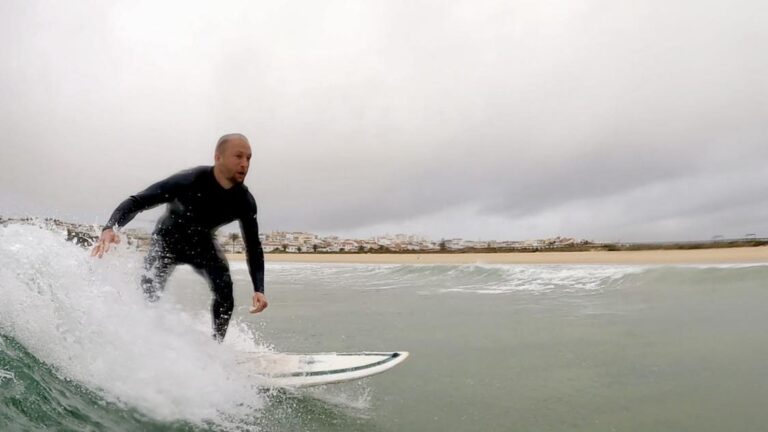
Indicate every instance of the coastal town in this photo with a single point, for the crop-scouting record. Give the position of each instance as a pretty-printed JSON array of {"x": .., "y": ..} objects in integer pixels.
[
  {"x": 305, "y": 242},
  {"x": 299, "y": 242}
]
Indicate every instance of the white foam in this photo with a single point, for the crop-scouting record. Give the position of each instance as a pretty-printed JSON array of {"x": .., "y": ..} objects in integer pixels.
[
  {"x": 88, "y": 319},
  {"x": 465, "y": 278},
  {"x": 7, "y": 375}
]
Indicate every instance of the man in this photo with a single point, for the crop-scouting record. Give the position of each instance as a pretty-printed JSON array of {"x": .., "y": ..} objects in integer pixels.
[{"x": 200, "y": 200}]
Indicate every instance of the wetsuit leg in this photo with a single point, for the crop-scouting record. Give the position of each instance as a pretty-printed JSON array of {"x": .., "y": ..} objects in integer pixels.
[
  {"x": 158, "y": 266},
  {"x": 216, "y": 270}
]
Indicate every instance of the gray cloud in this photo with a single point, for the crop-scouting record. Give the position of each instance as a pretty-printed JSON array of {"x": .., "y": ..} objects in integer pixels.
[{"x": 465, "y": 118}]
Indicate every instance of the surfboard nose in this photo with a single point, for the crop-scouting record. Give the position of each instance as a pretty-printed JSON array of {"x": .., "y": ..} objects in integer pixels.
[{"x": 305, "y": 370}]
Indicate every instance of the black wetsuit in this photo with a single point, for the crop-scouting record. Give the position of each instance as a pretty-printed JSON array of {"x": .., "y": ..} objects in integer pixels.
[{"x": 197, "y": 206}]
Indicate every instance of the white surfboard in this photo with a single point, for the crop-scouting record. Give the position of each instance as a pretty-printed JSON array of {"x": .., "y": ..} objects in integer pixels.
[{"x": 306, "y": 370}]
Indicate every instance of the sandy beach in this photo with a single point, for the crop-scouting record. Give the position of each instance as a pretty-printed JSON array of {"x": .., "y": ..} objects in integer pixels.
[{"x": 744, "y": 255}]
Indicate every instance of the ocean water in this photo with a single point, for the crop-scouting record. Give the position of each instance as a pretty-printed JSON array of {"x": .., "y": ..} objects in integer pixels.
[{"x": 493, "y": 347}]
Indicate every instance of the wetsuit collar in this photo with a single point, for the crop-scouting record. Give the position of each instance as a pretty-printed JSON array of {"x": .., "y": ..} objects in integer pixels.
[{"x": 215, "y": 180}]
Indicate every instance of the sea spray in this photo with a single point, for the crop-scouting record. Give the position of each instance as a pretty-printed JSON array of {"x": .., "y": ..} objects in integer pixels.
[{"x": 87, "y": 319}]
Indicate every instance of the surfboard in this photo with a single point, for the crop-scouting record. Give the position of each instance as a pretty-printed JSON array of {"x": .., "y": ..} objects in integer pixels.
[{"x": 306, "y": 370}]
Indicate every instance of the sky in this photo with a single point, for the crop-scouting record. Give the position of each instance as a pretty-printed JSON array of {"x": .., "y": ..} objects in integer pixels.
[{"x": 605, "y": 120}]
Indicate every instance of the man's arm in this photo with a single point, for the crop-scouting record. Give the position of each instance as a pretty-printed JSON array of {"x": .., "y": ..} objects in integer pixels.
[
  {"x": 160, "y": 192},
  {"x": 254, "y": 254}
]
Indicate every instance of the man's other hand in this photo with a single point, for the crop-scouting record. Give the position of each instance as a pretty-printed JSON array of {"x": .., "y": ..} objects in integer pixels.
[
  {"x": 259, "y": 302},
  {"x": 108, "y": 236}
]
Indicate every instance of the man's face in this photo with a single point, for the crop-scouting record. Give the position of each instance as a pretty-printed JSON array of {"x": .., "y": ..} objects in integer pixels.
[{"x": 234, "y": 160}]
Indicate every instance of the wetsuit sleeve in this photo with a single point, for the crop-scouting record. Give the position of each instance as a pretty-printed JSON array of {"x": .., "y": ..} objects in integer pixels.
[
  {"x": 253, "y": 250},
  {"x": 161, "y": 192}
]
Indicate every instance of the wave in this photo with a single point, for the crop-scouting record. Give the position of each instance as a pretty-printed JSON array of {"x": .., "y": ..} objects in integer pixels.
[
  {"x": 84, "y": 321},
  {"x": 498, "y": 278}
]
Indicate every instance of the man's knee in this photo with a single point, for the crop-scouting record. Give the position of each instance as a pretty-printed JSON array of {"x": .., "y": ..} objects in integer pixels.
[
  {"x": 225, "y": 306},
  {"x": 222, "y": 307},
  {"x": 219, "y": 279},
  {"x": 222, "y": 288},
  {"x": 225, "y": 282},
  {"x": 224, "y": 300}
]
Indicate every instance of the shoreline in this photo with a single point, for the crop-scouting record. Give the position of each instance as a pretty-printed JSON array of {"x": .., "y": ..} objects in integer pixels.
[{"x": 736, "y": 255}]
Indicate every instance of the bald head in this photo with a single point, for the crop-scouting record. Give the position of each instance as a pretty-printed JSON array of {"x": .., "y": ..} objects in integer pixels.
[
  {"x": 222, "y": 144},
  {"x": 232, "y": 159}
]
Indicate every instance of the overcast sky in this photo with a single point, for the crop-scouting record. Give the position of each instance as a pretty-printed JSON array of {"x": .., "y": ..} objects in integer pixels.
[{"x": 514, "y": 119}]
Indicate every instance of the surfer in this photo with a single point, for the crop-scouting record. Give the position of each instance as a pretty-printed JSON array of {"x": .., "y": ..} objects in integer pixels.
[{"x": 200, "y": 200}]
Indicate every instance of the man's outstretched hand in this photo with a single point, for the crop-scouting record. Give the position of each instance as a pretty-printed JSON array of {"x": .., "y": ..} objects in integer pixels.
[
  {"x": 108, "y": 236},
  {"x": 259, "y": 302}
]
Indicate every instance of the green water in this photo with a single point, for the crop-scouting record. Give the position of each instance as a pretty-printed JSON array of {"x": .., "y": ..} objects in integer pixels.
[{"x": 668, "y": 349}]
